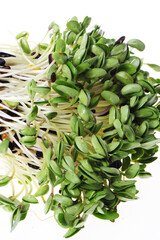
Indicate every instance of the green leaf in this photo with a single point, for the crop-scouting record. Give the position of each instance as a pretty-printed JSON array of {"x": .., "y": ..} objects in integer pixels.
[
  {"x": 154, "y": 67},
  {"x": 80, "y": 144},
  {"x": 48, "y": 204},
  {"x": 24, "y": 210},
  {"x": 28, "y": 198},
  {"x": 92, "y": 177},
  {"x": 106, "y": 193},
  {"x": 144, "y": 174},
  {"x": 66, "y": 72},
  {"x": 25, "y": 46},
  {"x": 15, "y": 218},
  {"x": 60, "y": 58},
  {"x": 73, "y": 121},
  {"x": 127, "y": 67},
  {"x": 142, "y": 101},
  {"x": 147, "y": 112},
  {"x": 84, "y": 112},
  {"x": 55, "y": 168},
  {"x": 84, "y": 97},
  {"x": 138, "y": 154},
  {"x": 147, "y": 85},
  {"x": 95, "y": 157},
  {"x": 110, "y": 97},
  {"x": 49, "y": 153},
  {"x": 86, "y": 22},
  {"x": 33, "y": 114},
  {"x": 117, "y": 49},
  {"x": 74, "y": 26},
  {"x": 22, "y": 34},
  {"x": 99, "y": 145},
  {"x": 150, "y": 144},
  {"x": 6, "y": 200},
  {"x": 42, "y": 190},
  {"x": 136, "y": 43},
  {"x": 54, "y": 27},
  {"x": 51, "y": 70},
  {"x": 112, "y": 146},
  {"x": 124, "y": 111},
  {"x": 51, "y": 115},
  {"x": 108, "y": 215},
  {"x": 129, "y": 133},
  {"x": 72, "y": 177},
  {"x": 72, "y": 68},
  {"x": 122, "y": 184},
  {"x": 4, "y": 146},
  {"x": 60, "y": 45},
  {"x": 134, "y": 61},
  {"x": 75, "y": 193},
  {"x": 110, "y": 172},
  {"x": 118, "y": 126},
  {"x": 42, "y": 176},
  {"x": 60, "y": 151},
  {"x": 28, "y": 131},
  {"x": 147, "y": 159},
  {"x": 131, "y": 89},
  {"x": 42, "y": 90},
  {"x": 30, "y": 87},
  {"x": 133, "y": 101},
  {"x": 68, "y": 163},
  {"x": 58, "y": 100},
  {"x": 59, "y": 217},
  {"x": 107, "y": 85},
  {"x": 85, "y": 163},
  {"x": 12, "y": 104},
  {"x": 124, "y": 77},
  {"x": 70, "y": 37},
  {"x": 130, "y": 145},
  {"x": 41, "y": 101},
  {"x": 71, "y": 232},
  {"x": 96, "y": 50},
  {"x": 84, "y": 41},
  {"x": 78, "y": 56},
  {"x": 4, "y": 180},
  {"x": 79, "y": 129},
  {"x": 43, "y": 46},
  {"x": 52, "y": 178},
  {"x": 82, "y": 67},
  {"x": 64, "y": 200},
  {"x": 111, "y": 62},
  {"x": 28, "y": 140},
  {"x": 75, "y": 209},
  {"x": 90, "y": 208},
  {"x": 95, "y": 73},
  {"x": 113, "y": 114},
  {"x": 70, "y": 92},
  {"x": 127, "y": 194},
  {"x": 132, "y": 171}
]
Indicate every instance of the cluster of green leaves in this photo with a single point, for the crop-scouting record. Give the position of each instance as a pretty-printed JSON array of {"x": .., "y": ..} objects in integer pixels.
[
  {"x": 18, "y": 209},
  {"x": 91, "y": 160}
]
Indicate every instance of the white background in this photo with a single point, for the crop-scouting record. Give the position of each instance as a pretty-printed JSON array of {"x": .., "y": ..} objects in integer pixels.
[{"x": 135, "y": 19}]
